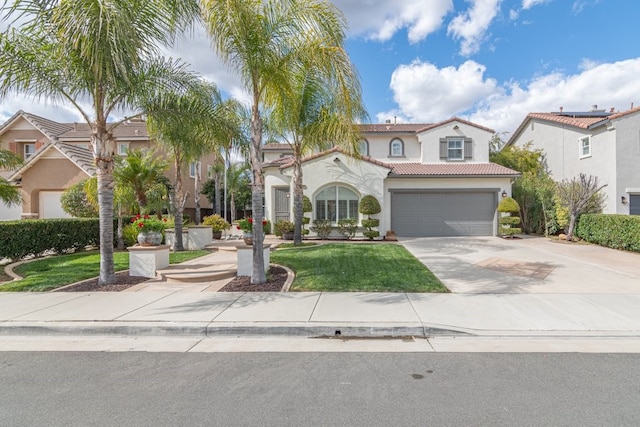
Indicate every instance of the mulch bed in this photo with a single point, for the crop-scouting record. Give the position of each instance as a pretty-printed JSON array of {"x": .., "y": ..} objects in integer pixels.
[{"x": 275, "y": 281}]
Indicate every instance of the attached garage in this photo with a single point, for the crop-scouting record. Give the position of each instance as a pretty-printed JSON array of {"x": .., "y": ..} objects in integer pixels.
[
  {"x": 50, "y": 205},
  {"x": 434, "y": 213},
  {"x": 634, "y": 204}
]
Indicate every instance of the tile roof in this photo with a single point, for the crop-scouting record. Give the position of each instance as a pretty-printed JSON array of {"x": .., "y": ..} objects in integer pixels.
[
  {"x": 451, "y": 169},
  {"x": 48, "y": 127},
  {"x": 576, "y": 120},
  {"x": 276, "y": 146},
  {"x": 133, "y": 129},
  {"x": 330, "y": 151},
  {"x": 415, "y": 127},
  {"x": 81, "y": 157}
]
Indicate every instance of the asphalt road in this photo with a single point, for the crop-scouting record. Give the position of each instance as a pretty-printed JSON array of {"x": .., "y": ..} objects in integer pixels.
[{"x": 297, "y": 389}]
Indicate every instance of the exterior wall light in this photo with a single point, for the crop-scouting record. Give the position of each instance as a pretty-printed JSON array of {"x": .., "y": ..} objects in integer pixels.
[
  {"x": 623, "y": 200},
  {"x": 504, "y": 194}
]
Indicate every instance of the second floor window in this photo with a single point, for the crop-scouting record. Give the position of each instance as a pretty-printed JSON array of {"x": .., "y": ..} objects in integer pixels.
[
  {"x": 29, "y": 150},
  {"x": 585, "y": 146},
  {"x": 194, "y": 169},
  {"x": 455, "y": 149},
  {"x": 123, "y": 147},
  {"x": 396, "y": 148}
]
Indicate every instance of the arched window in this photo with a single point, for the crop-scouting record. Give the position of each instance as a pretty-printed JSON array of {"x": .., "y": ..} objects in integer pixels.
[
  {"x": 335, "y": 203},
  {"x": 364, "y": 147},
  {"x": 396, "y": 148}
]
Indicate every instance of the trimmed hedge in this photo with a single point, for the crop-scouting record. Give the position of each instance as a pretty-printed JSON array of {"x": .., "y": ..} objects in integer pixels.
[
  {"x": 34, "y": 237},
  {"x": 613, "y": 231}
]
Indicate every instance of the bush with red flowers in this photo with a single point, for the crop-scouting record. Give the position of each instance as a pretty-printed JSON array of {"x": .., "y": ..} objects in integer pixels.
[
  {"x": 246, "y": 224},
  {"x": 149, "y": 223}
]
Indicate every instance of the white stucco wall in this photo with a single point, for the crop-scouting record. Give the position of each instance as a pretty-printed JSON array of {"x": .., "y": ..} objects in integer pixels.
[
  {"x": 272, "y": 179},
  {"x": 379, "y": 147},
  {"x": 431, "y": 141}
]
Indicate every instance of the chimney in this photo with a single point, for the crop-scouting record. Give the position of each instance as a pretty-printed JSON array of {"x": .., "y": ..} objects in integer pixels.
[
  {"x": 594, "y": 107},
  {"x": 387, "y": 122},
  {"x": 395, "y": 120},
  {"x": 561, "y": 108},
  {"x": 612, "y": 110}
]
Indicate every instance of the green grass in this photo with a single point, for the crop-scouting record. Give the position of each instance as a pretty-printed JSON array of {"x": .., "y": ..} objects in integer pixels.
[
  {"x": 357, "y": 267},
  {"x": 50, "y": 273}
]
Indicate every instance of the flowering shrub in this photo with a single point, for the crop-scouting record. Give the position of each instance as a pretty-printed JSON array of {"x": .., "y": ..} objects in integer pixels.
[
  {"x": 216, "y": 222},
  {"x": 246, "y": 224},
  {"x": 149, "y": 223}
]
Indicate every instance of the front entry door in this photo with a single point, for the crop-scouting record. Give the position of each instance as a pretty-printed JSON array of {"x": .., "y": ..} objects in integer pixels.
[{"x": 282, "y": 209}]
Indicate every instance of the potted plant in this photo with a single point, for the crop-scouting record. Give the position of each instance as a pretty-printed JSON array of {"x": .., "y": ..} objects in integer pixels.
[
  {"x": 217, "y": 224},
  {"x": 149, "y": 229},
  {"x": 285, "y": 229},
  {"x": 246, "y": 225}
]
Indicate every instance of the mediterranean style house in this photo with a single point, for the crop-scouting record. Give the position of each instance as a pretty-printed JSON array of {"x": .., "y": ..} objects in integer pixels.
[
  {"x": 605, "y": 144},
  {"x": 430, "y": 179},
  {"x": 58, "y": 155}
]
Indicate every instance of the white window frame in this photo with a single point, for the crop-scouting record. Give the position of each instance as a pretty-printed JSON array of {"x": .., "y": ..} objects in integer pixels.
[
  {"x": 194, "y": 167},
  {"x": 451, "y": 149},
  {"x": 363, "y": 147},
  {"x": 123, "y": 147},
  {"x": 330, "y": 210},
  {"x": 28, "y": 153},
  {"x": 581, "y": 146}
]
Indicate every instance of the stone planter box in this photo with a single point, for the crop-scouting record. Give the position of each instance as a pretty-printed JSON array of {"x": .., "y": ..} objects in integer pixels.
[
  {"x": 245, "y": 259},
  {"x": 144, "y": 261},
  {"x": 170, "y": 238},
  {"x": 199, "y": 237}
]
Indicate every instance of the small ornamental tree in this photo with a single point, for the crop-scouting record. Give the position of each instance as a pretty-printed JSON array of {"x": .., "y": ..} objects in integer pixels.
[
  {"x": 509, "y": 220},
  {"x": 369, "y": 205},
  {"x": 306, "y": 207},
  {"x": 74, "y": 201}
]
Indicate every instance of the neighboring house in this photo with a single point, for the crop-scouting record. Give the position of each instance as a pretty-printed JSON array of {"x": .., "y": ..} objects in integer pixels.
[
  {"x": 430, "y": 179},
  {"x": 596, "y": 142},
  {"x": 58, "y": 155}
]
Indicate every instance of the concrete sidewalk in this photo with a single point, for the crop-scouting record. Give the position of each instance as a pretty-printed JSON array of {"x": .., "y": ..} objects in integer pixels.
[{"x": 209, "y": 314}]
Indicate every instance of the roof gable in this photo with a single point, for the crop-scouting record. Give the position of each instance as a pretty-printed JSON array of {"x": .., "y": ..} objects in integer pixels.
[{"x": 80, "y": 157}]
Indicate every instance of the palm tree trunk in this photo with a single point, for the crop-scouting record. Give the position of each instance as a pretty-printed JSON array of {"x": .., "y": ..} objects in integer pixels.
[
  {"x": 178, "y": 206},
  {"x": 196, "y": 194},
  {"x": 258, "y": 275},
  {"x": 104, "y": 147},
  {"x": 232, "y": 203},
  {"x": 297, "y": 195}
]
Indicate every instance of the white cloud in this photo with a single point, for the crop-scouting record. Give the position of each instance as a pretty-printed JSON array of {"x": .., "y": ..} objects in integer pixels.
[
  {"x": 471, "y": 25},
  {"x": 425, "y": 93},
  {"x": 528, "y": 4},
  {"x": 381, "y": 19}
]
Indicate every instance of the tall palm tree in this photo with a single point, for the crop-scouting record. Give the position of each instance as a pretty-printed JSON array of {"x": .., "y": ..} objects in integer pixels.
[
  {"x": 319, "y": 111},
  {"x": 188, "y": 136},
  {"x": 100, "y": 56},
  {"x": 236, "y": 179},
  {"x": 141, "y": 170},
  {"x": 9, "y": 194},
  {"x": 264, "y": 40}
]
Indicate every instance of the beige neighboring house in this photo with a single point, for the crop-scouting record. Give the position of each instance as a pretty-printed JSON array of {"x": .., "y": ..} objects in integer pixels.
[
  {"x": 430, "y": 179},
  {"x": 58, "y": 155},
  {"x": 605, "y": 144}
]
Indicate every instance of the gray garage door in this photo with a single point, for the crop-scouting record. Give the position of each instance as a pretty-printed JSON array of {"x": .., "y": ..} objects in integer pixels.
[
  {"x": 634, "y": 204},
  {"x": 426, "y": 214}
]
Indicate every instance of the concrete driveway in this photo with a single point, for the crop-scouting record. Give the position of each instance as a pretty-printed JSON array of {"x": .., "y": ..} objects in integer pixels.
[{"x": 477, "y": 265}]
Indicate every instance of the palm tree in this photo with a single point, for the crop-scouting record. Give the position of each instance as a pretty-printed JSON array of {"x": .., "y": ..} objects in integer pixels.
[
  {"x": 9, "y": 194},
  {"x": 141, "y": 171},
  {"x": 100, "y": 56},
  {"x": 188, "y": 136},
  {"x": 265, "y": 41},
  {"x": 236, "y": 180},
  {"x": 319, "y": 112}
]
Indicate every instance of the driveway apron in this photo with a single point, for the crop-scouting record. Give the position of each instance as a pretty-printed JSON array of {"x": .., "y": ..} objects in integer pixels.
[{"x": 476, "y": 265}]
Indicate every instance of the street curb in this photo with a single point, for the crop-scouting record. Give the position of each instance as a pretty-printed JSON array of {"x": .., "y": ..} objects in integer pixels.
[{"x": 209, "y": 329}]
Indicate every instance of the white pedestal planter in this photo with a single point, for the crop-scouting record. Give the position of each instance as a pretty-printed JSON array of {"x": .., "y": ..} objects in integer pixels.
[
  {"x": 145, "y": 260},
  {"x": 170, "y": 238},
  {"x": 199, "y": 237},
  {"x": 245, "y": 259}
]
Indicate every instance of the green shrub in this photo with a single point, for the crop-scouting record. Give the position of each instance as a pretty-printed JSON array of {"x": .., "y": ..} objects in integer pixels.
[
  {"x": 508, "y": 204},
  {"x": 370, "y": 223},
  {"x": 371, "y": 234},
  {"x": 216, "y": 222},
  {"x": 613, "y": 231},
  {"x": 348, "y": 227},
  {"x": 369, "y": 205},
  {"x": 130, "y": 235},
  {"x": 322, "y": 227},
  {"x": 283, "y": 226}
]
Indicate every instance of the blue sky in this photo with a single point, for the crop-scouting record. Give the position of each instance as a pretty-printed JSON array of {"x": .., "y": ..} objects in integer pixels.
[{"x": 489, "y": 61}]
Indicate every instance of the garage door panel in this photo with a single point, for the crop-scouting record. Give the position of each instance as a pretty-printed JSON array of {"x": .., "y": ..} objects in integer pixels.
[{"x": 427, "y": 214}]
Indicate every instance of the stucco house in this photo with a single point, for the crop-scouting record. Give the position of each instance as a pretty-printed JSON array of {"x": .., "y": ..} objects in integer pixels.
[
  {"x": 605, "y": 144},
  {"x": 430, "y": 179},
  {"x": 58, "y": 155}
]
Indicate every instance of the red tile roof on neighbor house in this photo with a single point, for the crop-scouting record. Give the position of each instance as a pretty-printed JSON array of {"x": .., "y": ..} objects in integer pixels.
[
  {"x": 414, "y": 127},
  {"x": 582, "y": 122},
  {"x": 451, "y": 169}
]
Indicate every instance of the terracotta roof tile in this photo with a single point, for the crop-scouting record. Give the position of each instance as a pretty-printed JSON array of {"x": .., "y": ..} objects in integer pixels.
[
  {"x": 134, "y": 129},
  {"x": 571, "y": 120},
  {"x": 415, "y": 127},
  {"x": 451, "y": 169},
  {"x": 334, "y": 150}
]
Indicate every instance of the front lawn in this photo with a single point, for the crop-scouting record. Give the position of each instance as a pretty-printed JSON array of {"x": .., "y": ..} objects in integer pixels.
[
  {"x": 357, "y": 267},
  {"x": 56, "y": 271}
]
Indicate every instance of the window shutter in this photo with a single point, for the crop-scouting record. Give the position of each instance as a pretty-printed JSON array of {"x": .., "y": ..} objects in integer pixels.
[
  {"x": 13, "y": 147},
  {"x": 468, "y": 149},
  {"x": 443, "y": 148},
  {"x": 39, "y": 145}
]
